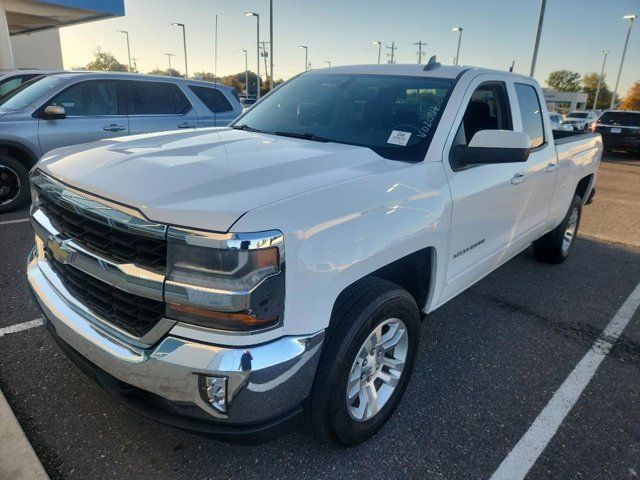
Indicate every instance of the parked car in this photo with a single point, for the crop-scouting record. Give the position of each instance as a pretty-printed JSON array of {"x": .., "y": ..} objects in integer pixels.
[
  {"x": 620, "y": 129},
  {"x": 12, "y": 79},
  {"x": 581, "y": 120},
  {"x": 228, "y": 280},
  {"x": 558, "y": 123},
  {"x": 73, "y": 108}
]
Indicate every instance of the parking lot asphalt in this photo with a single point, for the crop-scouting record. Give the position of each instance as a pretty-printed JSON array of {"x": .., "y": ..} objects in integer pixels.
[{"x": 489, "y": 362}]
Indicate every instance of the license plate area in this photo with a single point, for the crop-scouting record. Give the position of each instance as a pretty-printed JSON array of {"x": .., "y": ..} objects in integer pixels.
[{"x": 616, "y": 130}]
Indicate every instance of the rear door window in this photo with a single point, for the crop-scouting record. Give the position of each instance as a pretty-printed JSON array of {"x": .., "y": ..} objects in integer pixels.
[
  {"x": 157, "y": 98},
  {"x": 531, "y": 113},
  {"x": 213, "y": 98}
]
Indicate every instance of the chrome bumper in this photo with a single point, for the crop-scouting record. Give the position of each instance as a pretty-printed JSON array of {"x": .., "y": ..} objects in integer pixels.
[{"x": 278, "y": 379}]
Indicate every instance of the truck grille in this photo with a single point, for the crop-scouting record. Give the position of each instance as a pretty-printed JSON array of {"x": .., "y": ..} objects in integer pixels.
[
  {"x": 105, "y": 239},
  {"x": 134, "y": 314}
]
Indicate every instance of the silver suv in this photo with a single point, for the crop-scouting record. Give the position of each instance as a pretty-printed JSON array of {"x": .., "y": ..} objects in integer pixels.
[{"x": 72, "y": 108}]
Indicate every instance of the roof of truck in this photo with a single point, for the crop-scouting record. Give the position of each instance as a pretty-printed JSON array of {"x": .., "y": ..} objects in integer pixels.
[{"x": 410, "y": 69}]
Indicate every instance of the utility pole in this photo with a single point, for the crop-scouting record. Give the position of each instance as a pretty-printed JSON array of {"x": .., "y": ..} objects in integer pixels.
[
  {"x": 135, "y": 64},
  {"x": 246, "y": 73},
  {"x": 600, "y": 78},
  {"x": 169, "y": 55},
  {"x": 379, "y": 44},
  {"x": 128, "y": 47},
  {"x": 215, "y": 53},
  {"x": 393, "y": 48},
  {"x": 459, "y": 30},
  {"x": 631, "y": 18},
  {"x": 271, "y": 45},
  {"x": 306, "y": 57},
  {"x": 264, "y": 55},
  {"x": 543, "y": 4},
  {"x": 420, "y": 43}
]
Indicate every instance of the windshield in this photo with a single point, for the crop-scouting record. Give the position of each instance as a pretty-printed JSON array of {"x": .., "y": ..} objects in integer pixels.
[
  {"x": 395, "y": 116},
  {"x": 578, "y": 114},
  {"x": 629, "y": 119},
  {"x": 28, "y": 93}
]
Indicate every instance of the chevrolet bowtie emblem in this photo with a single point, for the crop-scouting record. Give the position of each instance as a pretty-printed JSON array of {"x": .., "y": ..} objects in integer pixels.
[{"x": 60, "y": 250}]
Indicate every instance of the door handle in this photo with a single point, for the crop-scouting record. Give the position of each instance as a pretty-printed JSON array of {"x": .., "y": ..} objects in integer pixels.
[
  {"x": 517, "y": 178},
  {"x": 186, "y": 125},
  {"x": 114, "y": 128},
  {"x": 551, "y": 167}
]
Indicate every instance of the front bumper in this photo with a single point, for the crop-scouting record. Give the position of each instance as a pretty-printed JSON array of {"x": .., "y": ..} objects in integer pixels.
[{"x": 275, "y": 383}]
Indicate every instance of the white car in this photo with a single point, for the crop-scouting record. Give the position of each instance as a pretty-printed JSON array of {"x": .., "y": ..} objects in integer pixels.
[
  {"x": 228, "y": 280},
  {"x": 558, "y": 123},
  {"x": 581, "y": 120}
]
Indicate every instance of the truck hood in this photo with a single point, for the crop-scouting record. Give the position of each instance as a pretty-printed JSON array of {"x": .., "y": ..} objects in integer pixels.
[{"x": 206, "y": 179}]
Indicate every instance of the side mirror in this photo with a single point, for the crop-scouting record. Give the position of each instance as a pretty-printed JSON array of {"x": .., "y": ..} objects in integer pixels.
[
  {"x": 54, "y": 112},
  {"x": 494, "y": 146}
]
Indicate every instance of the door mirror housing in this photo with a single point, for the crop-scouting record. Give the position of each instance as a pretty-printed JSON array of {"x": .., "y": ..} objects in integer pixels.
[
  {"x": 494, "y": 146},
  {"x": 54, "y": 112}
]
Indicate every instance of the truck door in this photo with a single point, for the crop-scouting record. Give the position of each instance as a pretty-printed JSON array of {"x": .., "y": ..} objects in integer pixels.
[
  {"x": 94, "y": 110},
  {"x": 540, "y": 169},
  {"x": 487, "y": 200}
]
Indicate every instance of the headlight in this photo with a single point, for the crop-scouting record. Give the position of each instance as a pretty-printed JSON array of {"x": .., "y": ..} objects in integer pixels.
[{"x": 225, "y": 281}]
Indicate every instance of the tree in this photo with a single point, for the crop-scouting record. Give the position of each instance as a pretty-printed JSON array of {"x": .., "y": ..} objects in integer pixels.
[
  {"x": 564, "y": 81},
  {"x": 167, "y": 73},
  {"x": 632, "y": 100},
  {"x": 105, "y": 62},
  {"x": 590, "y": 85}
]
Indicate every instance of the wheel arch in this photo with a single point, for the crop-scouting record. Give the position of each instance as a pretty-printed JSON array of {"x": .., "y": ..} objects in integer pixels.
[
  {"x": 19, "y": 151},
  {"x": 584, "y": 187},
  {"x": 414, "y": 272}
]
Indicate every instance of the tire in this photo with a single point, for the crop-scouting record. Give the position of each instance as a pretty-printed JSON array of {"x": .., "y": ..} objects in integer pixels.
[
  {"x": 370, "y": 304},
  {"x": 556, "y": 246},
  {"x": 14, "y": 183}
]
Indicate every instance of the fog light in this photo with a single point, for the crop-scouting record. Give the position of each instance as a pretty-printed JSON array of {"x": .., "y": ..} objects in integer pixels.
[{"x": 214, "y": 391}]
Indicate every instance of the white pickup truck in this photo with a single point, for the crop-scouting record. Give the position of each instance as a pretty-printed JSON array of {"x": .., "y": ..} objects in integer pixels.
[{"x": 227, "y": 280}]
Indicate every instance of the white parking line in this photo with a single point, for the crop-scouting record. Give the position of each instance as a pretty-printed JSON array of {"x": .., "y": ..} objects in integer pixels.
[
  {"x": 520, "y": 460},
  {"x": 20, "y": 220},
  {"x": 19, "y": 327}
]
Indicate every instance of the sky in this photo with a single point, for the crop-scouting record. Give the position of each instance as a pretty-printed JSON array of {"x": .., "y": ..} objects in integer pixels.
[{"x": 495, "y": 32}]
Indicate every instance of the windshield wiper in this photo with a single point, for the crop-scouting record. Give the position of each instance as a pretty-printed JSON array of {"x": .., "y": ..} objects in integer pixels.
[
  {"x": 246, "y": 128},
  {"x": 305, "y": 136}
]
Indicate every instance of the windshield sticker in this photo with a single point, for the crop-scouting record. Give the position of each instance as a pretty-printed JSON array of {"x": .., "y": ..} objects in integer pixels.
[
  {"x": 428, "y": 121},
  {"x": 399, "y": 138}
]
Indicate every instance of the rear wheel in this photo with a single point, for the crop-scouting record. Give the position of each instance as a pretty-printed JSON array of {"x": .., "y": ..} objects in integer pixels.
[
  {"x": 555, "y": 246},
  {"x": 14, "y": 183},
  {"x": 366, "y": 363}
]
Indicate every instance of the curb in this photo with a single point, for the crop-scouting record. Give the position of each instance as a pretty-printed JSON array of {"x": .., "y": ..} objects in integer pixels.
[{"x": 18, "y": 461}]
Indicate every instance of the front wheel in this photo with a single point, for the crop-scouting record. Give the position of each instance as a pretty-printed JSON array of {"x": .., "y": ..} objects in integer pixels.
[
  {"x": 555, "y": 246},
  {"x": 14, "y": 183},
  {"x": 366, "y": 363}
]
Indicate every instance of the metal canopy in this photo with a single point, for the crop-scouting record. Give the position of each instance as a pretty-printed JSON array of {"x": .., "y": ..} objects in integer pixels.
[{"x": 25, "y": 16}]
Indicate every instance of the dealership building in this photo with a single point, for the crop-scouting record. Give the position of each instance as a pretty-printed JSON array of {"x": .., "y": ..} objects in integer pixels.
[
  {"x": 564, "y": 102},
  {"x": 29, "y": 36}
]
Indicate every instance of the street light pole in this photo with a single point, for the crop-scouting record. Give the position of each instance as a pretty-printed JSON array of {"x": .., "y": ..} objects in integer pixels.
[
  {"x": 184, "y": 44},
  {"x": 128, "y": 47},
  {"x": 631, "y": 18},
  {"x": 169, "y": 55},
  {"x": 254, "y": 14},
  {"x": 271, "y": 45},
  {"x": 543, "y": 5},
  {"x": 604, "y": 60},
  {"x": 379, "y": 44},
  {"x": 306, "y": 57},
  {"x": 459, "y": 30},
  {"x": 246, "y": 73}
]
